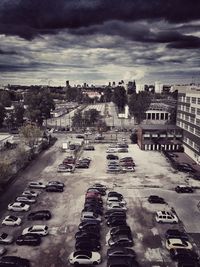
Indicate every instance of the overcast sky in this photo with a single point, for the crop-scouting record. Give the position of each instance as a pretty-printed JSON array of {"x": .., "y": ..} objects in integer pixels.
[{"x": 97, "y": 41}]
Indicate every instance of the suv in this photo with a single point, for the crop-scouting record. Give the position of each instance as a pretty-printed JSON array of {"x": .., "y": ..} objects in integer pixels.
[
  {"x": 181, "y": 254},
  {"x": 184, "y": 189},
  {"x": 175, "y": 233},
  {"x": 89, "y": 215},
  {"x": 166, "y": 217},
  {"x": 156, "y": 199},
  {"x": 14, "y": 261},
  {"x": 39, "y": 215}
]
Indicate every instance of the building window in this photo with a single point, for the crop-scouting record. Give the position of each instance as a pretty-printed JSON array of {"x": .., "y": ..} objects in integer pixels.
[
  {"x": 186, "y": 117},
  {"x": 192, "y": 120},
  {"x": 198, "y": 122},
  {"x": 190, "y": 143},
  {"x": 185, "y": 126},
  {"x": 197, "y": 132},
  {"x": 198, "y": 111},
  {"x": 193, "y": 110},
  {"x": 196, "y": 147},
  {"x": 191, "y": 129},
  {"x": 187, "y": 109},
  {"x": 194, "y": 100},
  {"x": 188, "y": 99},
  {"x": 198, "y": 101}
]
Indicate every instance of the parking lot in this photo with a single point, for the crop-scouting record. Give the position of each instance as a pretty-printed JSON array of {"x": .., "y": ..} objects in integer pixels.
[{"x": 153, "y": 176}]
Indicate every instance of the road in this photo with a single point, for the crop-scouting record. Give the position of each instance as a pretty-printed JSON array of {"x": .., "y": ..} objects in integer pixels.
[{"x": 153, "y": 175}]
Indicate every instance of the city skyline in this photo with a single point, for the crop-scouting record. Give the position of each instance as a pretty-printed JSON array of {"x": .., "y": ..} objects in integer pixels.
[{"x": 48, "y": 42}]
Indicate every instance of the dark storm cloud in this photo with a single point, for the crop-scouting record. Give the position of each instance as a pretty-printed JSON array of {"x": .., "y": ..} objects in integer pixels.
[
  {"x": 28, "y": 18},
  {"x": 4, "y": 52}
]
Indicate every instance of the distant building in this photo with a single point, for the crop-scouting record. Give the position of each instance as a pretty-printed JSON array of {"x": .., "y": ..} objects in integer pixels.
[
  {"x": 188, "y": 118},
  {"x": 160, "y": 137},
  {"x": 158, "y": 87}
]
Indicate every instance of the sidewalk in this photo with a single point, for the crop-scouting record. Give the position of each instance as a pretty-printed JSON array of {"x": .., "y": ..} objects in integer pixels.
[{"x": 183, "y": 158}]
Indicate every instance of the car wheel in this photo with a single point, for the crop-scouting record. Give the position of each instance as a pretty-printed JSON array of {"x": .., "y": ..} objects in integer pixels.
[
  {"x": 76, "y": 263},
  {"x": 95, "y": 263}
]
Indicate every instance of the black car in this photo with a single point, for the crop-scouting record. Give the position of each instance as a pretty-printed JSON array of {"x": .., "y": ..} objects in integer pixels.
[
  {"x": 120, "y": 252},
  {"x": 120, "y": 240},
  {"x": 112, "y": 157},
  {"x": 53, "y": 188},
  {"x": 175, "y": 233},
  {"x": 184, "y": 189},
  {"x": 14, "y": 261},
  {"x": 87, "y": 224},
  {"x": 125, "y": 229},
  {"x": 93, "y": 209},
  {"x": 95, "y": 201},
  {"x": 111, "y": 211},
  {"x": 91, "y": 229},
  {"x": 184, "y": 167},
  {"x": 181, "y": 254},
  {"x": 116, "y": 221},
  {"x": 87, "y": 239},
  {"x": 156, "y": 199},
  {"x": 121, "y": 262},
  {"x": 89, "y": 148},
  {"x": 102, "y": 191},
  {"x": 39, "y": 215},
  {"x": 56, "y": 183},
  {"x": 115, "y": 194},
  {"x": 29, "y": 240},
  {"x": 116, "y": 214},
  {"x": 89, "y": 235},
  {"x": 92, "y": 245}
]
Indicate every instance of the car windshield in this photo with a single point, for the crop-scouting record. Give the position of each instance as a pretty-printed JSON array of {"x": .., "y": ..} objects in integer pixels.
[{"x": 85, "y": 253}]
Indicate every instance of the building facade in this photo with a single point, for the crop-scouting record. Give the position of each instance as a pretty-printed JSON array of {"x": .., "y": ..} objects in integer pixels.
[
  {"x": 160, "y": 137},
  {"x": 188, "y": 118}
]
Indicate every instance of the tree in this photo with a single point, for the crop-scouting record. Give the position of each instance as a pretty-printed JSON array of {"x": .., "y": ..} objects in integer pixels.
[
  {"x": 119, "y": 97},
  {"x": 5, "y": 170},
  {"x": 77, "y": 120},
  {"x": 91, "y": 117},
  {"x": 139, "y": 104},
  {"x": 19, "y": 113},
  {"x": 107, "y": 94},
  {"x": 30, "y": 135},
  {"x": 5, "y": 98},
  {"x": 2, "y": 114}
]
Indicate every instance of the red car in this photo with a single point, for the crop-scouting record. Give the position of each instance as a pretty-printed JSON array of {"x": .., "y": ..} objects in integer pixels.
[{"x": 93, "y": 195}]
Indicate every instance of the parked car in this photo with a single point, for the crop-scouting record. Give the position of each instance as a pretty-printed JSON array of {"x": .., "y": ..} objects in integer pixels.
[
  {"x": 118, "y": 214},
  {"x": 120, "y": 240},
  {"x": 84, "y": 257},
  {"x": 128, "y": 169},
  {"x": 54, "y": 188},
  {"x": 37, "y": 185},
  {"x": 121, "y": 262},
  {"x": 26, "y": 199},
  {"x": 56, "y": 183},
  {"x": 99, "y": 186},
  {"x": 18, "y": 206},
  {"x": 166, "y": 217},
  {"x": 30, "y": 193},
  {"x": 116, "y": 221},
  {"x": 91, "y": 229},
  {"x": 6, "y": 238},
  {"x": 122, "y": 150},
  {"x": 187, "y": 263},
  {"x": 115, "y": 194},
  {"x": 65, "y": 168},
  {"x": 156, "y": 199},
  {"x": 89, "y": 148},
  {"x": 90, "y": 216},
  {"x": 29, "y": 240},
  {"x": 39, "y": 215},
  {"x": 177, "y": 243},
  {"x": 80, "y": 136},
  {"x": 41, "y": 230},
  {"x": 185, "y": 167},
  {"x": 114, "y": 169},
  {"x": 99, "y": 190},
  {"x": 184, "y": 189},
  {"x": 175, "y": 233},
  {"x": 12, "y": 220},
  {"x": 183, "y": 254},
  {"x": 14, "y": 261},
  {"x": 112, "y": 212},
  {"x": 111, "y": 150},
  {"x": 82, "y": 165},
  {"x": 93, "y": 208},
  {"x": 115, "y": 199},
  {"x": 121, "y": 252},
  {"x": 88, "y": 235},
  {"x": 112, "y": 157},
  {"x": 91, "y": 245},
  {"x": 86, "y": 224},
  {"x": 122, "y": 229},
  {"x": 118, "y": 206}
]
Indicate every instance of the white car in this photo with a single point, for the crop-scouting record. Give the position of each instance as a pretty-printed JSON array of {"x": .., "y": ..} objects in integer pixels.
[
  {"x": 30, "y": 193},
  {"x": 41, "y": 230},
  {"x": 177, "y": 243},
  {"x": 38, "y": 185},
  {"x": 89, "y": 215},
  {"x": 26, "y": 199},
  {"x": 128, "y": 169},
  {"x": 116, "y": 206},
  {"x": 115, "y": 200},
  {"x": 166, "y": 217},
  {"x": 18, "y": 206},
  {"x": 12, "y": 220},
  {"x": 111, "y": 150},
  {"x": 84, "y": 257}
]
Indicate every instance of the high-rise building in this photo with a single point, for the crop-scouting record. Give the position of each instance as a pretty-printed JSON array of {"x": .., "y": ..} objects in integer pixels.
[{"x": 188, "y": 118}]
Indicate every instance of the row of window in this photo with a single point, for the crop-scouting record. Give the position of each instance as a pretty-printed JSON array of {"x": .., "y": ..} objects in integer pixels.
[
  {"x": 189, "y": 109},
  {"x": 191, "y": 144},
  {"x": 188, "y": 128},
  {"x": 188, "y": 99},
  {"x": 189, "y": 119}
]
